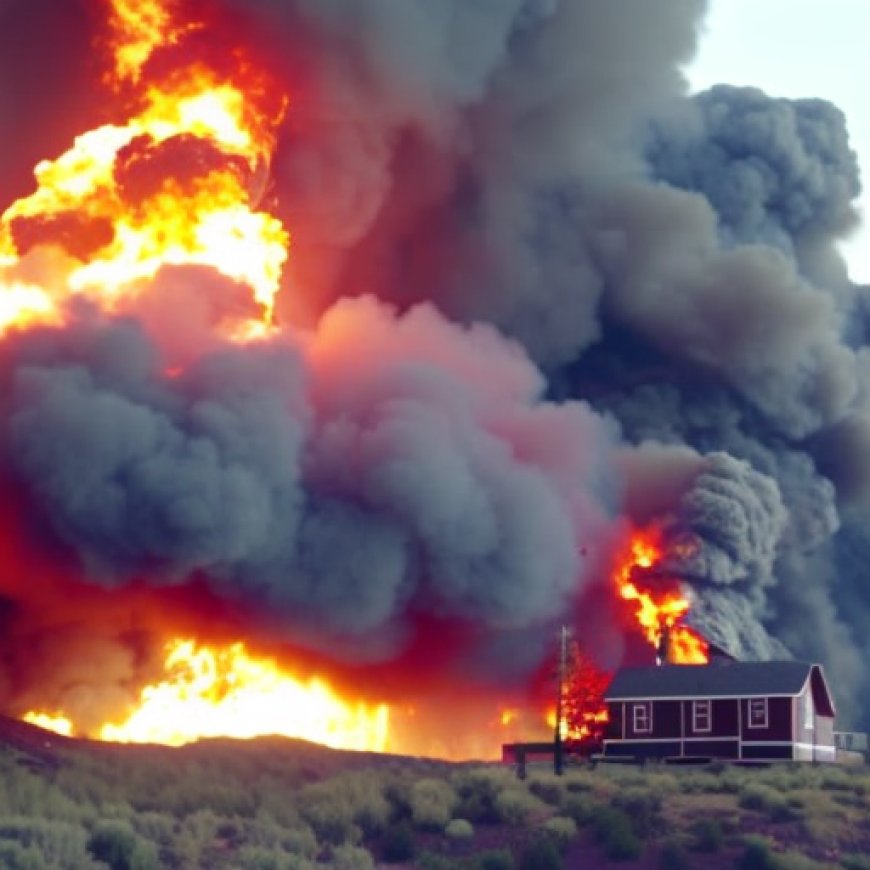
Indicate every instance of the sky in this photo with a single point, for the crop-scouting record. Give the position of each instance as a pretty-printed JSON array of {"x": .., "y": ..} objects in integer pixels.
[{"x": 798, "y": 48}]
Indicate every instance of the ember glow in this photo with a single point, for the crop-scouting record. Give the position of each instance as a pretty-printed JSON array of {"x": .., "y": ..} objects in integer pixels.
[{"x": 657, "y": 603}]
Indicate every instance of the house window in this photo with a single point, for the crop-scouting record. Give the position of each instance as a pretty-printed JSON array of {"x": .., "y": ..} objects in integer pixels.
[
  {"x": 701, "y": 715},
  {"x": 641, "y": 717},
  {"x": 758, "y": 712}
]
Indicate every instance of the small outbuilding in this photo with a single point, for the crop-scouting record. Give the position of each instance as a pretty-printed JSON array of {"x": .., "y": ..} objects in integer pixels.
[{"x": 740, "y": 711}]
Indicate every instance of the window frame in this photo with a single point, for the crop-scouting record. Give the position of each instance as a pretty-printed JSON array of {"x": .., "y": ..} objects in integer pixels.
[
  {"x": 642, "y": 724},
  {"x": 702, "y": 712},
  {"x": 753, "y": 719}
]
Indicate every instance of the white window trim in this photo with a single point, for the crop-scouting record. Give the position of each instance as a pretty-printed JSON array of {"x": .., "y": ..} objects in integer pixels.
[
  {"x": 644, "y": 707},
  {"x": 753, "y": 721},
  {"x": 705, "y": 709}
]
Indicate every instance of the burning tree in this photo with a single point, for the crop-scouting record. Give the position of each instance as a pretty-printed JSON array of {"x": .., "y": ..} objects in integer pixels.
[{"x": 583, "y": 709}]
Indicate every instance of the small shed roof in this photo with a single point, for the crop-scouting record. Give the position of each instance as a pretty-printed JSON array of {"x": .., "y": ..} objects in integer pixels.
[{"x": 718, "y": 680}]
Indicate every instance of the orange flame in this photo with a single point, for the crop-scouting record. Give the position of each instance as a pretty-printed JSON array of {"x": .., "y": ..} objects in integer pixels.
[
  {"x": 176, "y": 184},
  {"x": 56, "y": 722},
  {"x": 209, "y": 692},
  {"x": 659, "y": 605}
]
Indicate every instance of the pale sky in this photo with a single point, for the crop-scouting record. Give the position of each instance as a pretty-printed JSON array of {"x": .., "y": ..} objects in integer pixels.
[{"x": 799, "y": 48}]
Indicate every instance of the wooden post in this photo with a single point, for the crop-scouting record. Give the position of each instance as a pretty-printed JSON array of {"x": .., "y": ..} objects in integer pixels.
[{"x": 558, "y": 753}]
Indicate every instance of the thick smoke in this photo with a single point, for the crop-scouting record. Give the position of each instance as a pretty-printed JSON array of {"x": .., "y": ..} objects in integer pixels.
[
  {"x": 598, "y": 298},
  {"x": 333, "y": 482},
  {"x": 670, "y": 259}
]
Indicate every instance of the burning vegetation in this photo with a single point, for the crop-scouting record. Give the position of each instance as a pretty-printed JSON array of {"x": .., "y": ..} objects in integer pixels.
[{"x": 252, "y": 487}]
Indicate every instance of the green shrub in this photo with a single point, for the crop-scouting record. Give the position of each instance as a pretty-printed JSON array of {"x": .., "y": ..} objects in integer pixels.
[
  {"x": 541, "y": 854},
  {"x": 615, "y": 832},
  {"x": 341, "y": 809},
  {"x": 431, "y": 802},
  {"x": 583, "y": 808},
  {"x": 549, "y": 789},
  {"x": 259, "y": 858},
  {"x": 459, "y": 829},
  {"x": 757, "y": 855},
  {"x": 58, "y": 844},
  {"x": 561, "y": 829},
  {"x": 478, "y": 790},
  {"x": 577, "y": 781},
  {"x": 351, "y": 858},
  {"x": 515, "y": 805},
  {"x": 14, "y": 856},
  {"x": 642, "y": 807},
  {"x": 836, "y": 779},
  {"x": 116, "y": 844},
  {"x": 707, "y": 835},
  {"x": 298, "y": 841},
  {"x": 329, "y": 814},
  {"x": 202, "y": 825},
  {"x": 397, "y": 844},
  {"x": 757, "y": 796},
  {"x": 157, "y": 827},
  {"x": 855, "y": 862}
]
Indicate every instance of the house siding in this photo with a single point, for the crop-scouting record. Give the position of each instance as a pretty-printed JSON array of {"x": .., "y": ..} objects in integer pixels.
[
  {"x": 711, "y": 749},
  {"x": 643, "y": 749},
  {"x": 824, "y": 731},
  {"x": 779, "y": 721},
  {"x": 615, "y": 716},
  {"x": 723, "y": 718},
  {"x": 804, "y": 709},
  {"x": 799, "y": 721},
  {"x": 767, "y": 752},
  {"x": 666, "y": 719}
]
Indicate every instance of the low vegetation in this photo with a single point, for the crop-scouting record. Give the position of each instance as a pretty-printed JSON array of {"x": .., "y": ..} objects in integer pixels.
[{"x": 274, "y": 804}]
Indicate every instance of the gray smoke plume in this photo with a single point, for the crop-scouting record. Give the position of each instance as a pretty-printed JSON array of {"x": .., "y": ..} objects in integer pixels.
[
  {"x": 333, "y": 486},
  {"x": 670, "y": 259},
  {"x": 497, "y": 171}
]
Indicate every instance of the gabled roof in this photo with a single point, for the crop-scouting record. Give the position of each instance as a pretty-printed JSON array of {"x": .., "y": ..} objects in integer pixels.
[{"x": 718, "y": 680}]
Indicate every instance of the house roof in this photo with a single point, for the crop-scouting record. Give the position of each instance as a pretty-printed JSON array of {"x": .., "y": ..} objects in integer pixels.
[{"x": 719, "y": 680}]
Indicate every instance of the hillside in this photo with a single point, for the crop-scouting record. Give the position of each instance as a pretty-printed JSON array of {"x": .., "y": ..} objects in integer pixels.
[{"x": 274, "y": 803}]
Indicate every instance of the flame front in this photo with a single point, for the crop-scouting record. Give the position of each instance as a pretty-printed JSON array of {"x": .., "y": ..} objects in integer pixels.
[
  {"x": 659, "y": 604},
  {"x": 56, "y": 722},
  {"x": 225, "y": 692},
  {"x": 176, "y": 184}
]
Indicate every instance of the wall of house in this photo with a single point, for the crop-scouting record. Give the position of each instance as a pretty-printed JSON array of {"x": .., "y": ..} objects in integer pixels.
[
  {"x": 666, "y": 719},
  {"x": 779, "y": 721},
  {"x": 615, "y": 714},
  {"x": 724, "y": 720}
]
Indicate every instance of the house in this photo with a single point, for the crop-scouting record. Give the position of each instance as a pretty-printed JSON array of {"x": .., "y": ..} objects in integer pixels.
[{"x": 744, "y": 711}]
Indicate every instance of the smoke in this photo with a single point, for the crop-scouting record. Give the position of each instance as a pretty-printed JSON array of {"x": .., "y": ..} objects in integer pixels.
[
  {"x": 333, "y": 482},
  {"x": 535, "y": 289}
]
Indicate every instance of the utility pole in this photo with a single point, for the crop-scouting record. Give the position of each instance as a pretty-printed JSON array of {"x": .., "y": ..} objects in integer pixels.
[{"x": 558, "y": 753}]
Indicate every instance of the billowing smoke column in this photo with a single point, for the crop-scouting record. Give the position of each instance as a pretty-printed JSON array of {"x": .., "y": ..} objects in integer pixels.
[{"x": 536, "y": 294}]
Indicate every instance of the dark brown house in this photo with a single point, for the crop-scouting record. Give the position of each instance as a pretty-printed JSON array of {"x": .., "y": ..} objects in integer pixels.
[{"x": 752, "y": 711}]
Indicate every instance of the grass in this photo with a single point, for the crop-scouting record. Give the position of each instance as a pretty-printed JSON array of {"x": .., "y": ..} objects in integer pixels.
[{"x": 281, "y": 804}]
